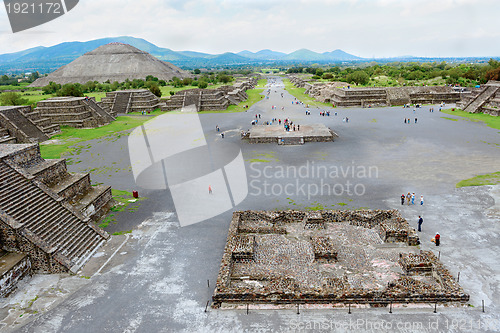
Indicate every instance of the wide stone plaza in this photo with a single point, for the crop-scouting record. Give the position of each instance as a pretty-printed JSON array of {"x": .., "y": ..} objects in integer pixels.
[{"x": 161, "y": 277}]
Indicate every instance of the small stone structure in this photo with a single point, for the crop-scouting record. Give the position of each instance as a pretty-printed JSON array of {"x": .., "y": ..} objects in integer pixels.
[
  {"x": 211, "y": 99},
  {"x": 47, "y": 213},
  {"x": 484, "y": 100},
  {"x": 329, "y": 257},
  {"x": 134, "y": 100},
  {"x": 364, "y": 97},
  {"x": 276, "y": 134},
  {"x": 79, "y": 112},
  {"x": 19, "y": 124}
]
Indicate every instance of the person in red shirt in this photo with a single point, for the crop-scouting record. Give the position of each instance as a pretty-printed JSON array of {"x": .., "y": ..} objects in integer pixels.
[{"x": 437, "y": 238}]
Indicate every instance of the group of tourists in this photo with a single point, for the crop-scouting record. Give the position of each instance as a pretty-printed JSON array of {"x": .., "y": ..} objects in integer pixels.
[
  {"x": 408, "y": 120},
  {"x": 410, "y": 198}
]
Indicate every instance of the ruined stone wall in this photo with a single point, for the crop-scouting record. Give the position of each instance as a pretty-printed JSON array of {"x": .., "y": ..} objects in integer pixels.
[
  {"x": 10, "y": 278},
  {"x": 408, "y": 288}
]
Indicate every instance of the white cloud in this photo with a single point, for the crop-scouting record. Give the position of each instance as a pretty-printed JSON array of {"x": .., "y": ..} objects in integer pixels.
[{"x": 363, "y": 27}]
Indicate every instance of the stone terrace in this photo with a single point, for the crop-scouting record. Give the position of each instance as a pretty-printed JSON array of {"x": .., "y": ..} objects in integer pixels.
[
  {"x": 211, "y": 99},
  {"x": 485, "y": 100},
  {"x": 329, "y": 257},
  {"x": 136, "y": 100},
  {"x": 347, "y": 96},
  {"x": 47, "y": 213},
  {"x": 79, "y": 112}
]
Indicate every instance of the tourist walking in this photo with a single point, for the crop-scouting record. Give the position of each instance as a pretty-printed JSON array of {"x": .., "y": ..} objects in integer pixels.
[
  {"x": 420, "y": 221},
  {"x": 209, "y": 189},
  {"x": 413, "y": 198},
  {"x": 402, "y": 199},
  {"x": 408, "y": 198},
  {"x": 437, "y": 239},
  {"x": 421, "y": 200}
]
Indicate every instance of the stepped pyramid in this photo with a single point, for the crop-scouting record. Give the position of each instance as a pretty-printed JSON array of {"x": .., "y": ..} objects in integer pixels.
[
  {"x": 113, "y": 62},
  {"x": 46, "y": 212}
]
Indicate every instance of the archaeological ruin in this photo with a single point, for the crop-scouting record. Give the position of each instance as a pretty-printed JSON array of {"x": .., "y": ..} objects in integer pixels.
[
  {"x": 20, "y": 124},
  {"x": 46, "y": 213},
  {"x": 133, "y": 100},
  {"x": 484, "y": 100},
  {"x": 112, "y": 62},
  {"x": 277, "y": 134},
  {"x": 349, "y": 96},
  {"x": 211, "y": 99},
  {"x": 78, "y": 112},
  {"x": 362, "y": 257}
]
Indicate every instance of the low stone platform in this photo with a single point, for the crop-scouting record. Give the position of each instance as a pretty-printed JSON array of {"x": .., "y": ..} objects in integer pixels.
[
  {"x": 277, "y": 134},
  {"x": 329, "y": 257}
]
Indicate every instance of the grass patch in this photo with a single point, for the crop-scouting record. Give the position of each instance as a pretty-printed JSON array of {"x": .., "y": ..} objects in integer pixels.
[
  {"x": 70, "y": 137},
  {"x": 480, "y": 180},
  {"x": 452, "y": 119},
  {"x": 491, "y": 121},
  {"x": 122, "y": 198},
  {"x": 122, "y": 232},
  {"x": 299, "y": 93},
  {"x": 315, "y": 206},
  {"x": 262, "y": 157}
]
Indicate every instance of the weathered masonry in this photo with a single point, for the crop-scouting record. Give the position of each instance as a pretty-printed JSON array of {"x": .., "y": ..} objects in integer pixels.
[
  {"x": 329, "y": 257},
  {"x": 79, "y": 112},
  {"x": 46, "y": 212},
  {"x": 19, "y": 124},
  {"x": 377, "y": 96},
  {"x": 485, "y": 99}
]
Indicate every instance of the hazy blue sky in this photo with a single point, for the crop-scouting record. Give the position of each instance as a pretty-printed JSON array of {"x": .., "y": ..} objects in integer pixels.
[{"x": 366, "y": 28}]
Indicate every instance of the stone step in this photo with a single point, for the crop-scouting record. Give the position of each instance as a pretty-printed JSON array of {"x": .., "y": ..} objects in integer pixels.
[
  {"x": 72, "y": 185},
  {"x": 44, "y": 216},
  {"x": 8, "y": 140}
]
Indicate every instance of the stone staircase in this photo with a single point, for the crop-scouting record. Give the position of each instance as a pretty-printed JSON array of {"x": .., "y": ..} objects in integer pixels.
[
  {"x": 20, "y": 126},
  {"x": 5, "y": 137},
  {"x": 121, "y": 103},
  {"x": 103, "y": 117},
  {"x": 42, "y": 122},
  {"x": 47, "y": 212},
  {"x": 475, "y": 104}
]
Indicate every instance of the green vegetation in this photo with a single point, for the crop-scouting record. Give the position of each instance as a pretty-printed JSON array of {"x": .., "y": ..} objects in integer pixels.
[
  {"x": 66, "y": 142},
  {"x": 491, "y": 121},
  {"x": 262, "y": 157},
  {"x": 299, "y": 93},
  {"x": 122, "y": 232},
  {"x": 487, "y": 179},
  {"x": 452, "y": 119},
  {"x": 410, "y": 74},
  {"x": 12, "y": 98},
  {"x": 123, "y": 203}
]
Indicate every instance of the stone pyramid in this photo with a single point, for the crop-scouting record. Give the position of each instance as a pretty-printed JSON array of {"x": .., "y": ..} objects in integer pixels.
[{"x": 113, "y": 62}]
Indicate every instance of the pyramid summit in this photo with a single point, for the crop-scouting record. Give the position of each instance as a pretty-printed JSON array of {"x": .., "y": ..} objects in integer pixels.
[{"x": 113, "y": 62}]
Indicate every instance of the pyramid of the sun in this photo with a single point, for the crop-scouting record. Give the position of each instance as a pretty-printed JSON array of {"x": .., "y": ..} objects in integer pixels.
[{"x": 113, "y": 62}]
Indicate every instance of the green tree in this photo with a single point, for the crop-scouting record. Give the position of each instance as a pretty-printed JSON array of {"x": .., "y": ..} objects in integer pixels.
[
  {"x": 155, "y": 89},
  {"x": 202, "y": 84},
  {"x": 71, "y": 89},
  {"x": 358, "y": 77},
  {"x": 51, "y": 88},
  {"x": 12, "y": 98},
  {"x": 197, "y": 71}
]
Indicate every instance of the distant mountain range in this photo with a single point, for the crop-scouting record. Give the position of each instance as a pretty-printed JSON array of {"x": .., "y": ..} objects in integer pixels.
[{"x": 48, "y": 59}]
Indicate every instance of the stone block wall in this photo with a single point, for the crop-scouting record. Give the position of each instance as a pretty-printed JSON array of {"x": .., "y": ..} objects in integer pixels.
[{"x": 12, "y": 275}]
